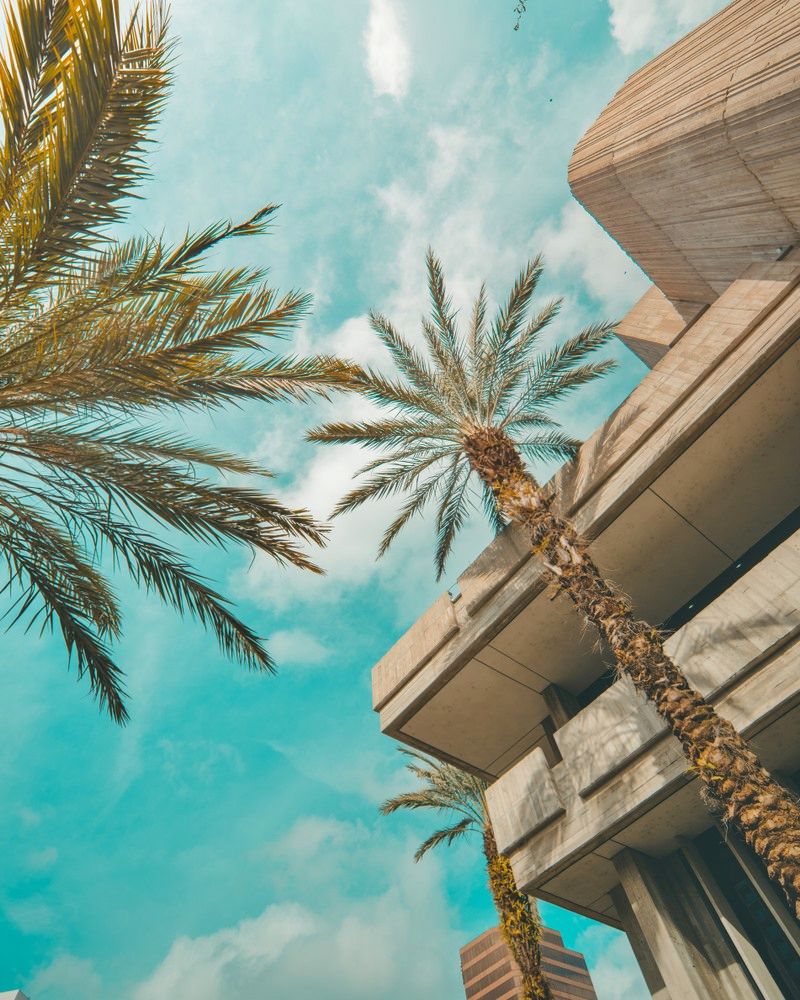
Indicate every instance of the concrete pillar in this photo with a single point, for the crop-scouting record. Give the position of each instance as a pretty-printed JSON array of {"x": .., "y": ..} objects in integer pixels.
[
  {"x": 675, "y": 934},
  {"x": 639, "y": 946},
  {"x": 733, "y": 927}
]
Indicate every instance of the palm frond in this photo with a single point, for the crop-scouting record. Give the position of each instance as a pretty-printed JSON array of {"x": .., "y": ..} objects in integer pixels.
[
  {"x": 442, "y": 337},
  {"x": 408, "y": 360},
  {"x": 161, "y": 570},
  {"x": 399, "y": 397},
  {"x": 499, "y": 344},
  {"x": 46, "y": 564},
  {"x": 204, "y": 510},
  {"x": 476, "y": 326},
  {"x": 457, "y": 384},
  {"x": 393, "y": 478},
  {"x": 99, "y": 337},
  {"x": 445, "y": 836},
  {"x": 442, "y": 788},
  {"x": 490, "y": 510},
  {"x": 413, "y": 506},
  {"x": 452, "y": 511},
  {"x": 104, "y": 97}
]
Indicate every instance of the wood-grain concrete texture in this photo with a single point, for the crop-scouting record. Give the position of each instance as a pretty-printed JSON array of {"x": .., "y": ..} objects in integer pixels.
[
  {"x": 694, "y": 165},
  {"x": 655, "y": 324},
  {"x": 660, "y": 491}
]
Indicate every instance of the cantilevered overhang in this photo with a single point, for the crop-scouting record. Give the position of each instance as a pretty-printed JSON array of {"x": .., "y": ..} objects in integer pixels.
[
  {"x": 694, "y": 165},
  {"x": 697, "y": 465},
  {"x": 622, "y": 780}
]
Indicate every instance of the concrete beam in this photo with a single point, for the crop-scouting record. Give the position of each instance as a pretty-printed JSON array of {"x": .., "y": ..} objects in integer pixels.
[{"x": 668, "y": 910}]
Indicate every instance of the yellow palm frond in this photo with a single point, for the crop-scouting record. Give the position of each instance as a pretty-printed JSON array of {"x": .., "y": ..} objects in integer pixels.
[{"x": 97, "y": 336}]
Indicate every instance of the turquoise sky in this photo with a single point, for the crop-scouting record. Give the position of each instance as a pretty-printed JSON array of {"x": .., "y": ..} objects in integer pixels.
[{"x": 226, "y": 844}]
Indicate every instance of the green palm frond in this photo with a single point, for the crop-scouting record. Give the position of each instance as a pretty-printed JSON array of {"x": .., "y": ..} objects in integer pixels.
[
  {"x": 445, "y": 836},
  {"x": 452, "y": 510},
  {"x": 490, "y": 375},
  {"x": 99, "y": 336},
  {"x": 445, "y": 789}
]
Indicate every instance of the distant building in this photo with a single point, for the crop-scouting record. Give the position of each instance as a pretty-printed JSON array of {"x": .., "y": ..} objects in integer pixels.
[{"x": 490, "y": 973}]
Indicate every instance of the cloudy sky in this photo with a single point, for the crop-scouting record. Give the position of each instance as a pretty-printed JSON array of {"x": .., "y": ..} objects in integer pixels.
[{"x": 226, "y": 843}]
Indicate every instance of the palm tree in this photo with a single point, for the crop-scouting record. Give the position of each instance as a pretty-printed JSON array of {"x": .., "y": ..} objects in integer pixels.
[
  {"x": 479, "y": 404},
  {"x": 448, "y": 789},
  {"x": 99, "y": 336}
]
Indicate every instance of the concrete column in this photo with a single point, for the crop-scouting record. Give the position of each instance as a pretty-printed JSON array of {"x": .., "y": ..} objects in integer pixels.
[
  {"x": 639, "y": 946},
  {"x": 733, "y": 927},
  {"x": 675, "y": 934}
]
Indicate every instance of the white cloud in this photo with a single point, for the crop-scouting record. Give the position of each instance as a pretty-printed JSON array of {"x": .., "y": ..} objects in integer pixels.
[
  {"x": 32, "y": 916},
  {"x": 456, "y": 148},
  {"x": 614, "y": 970},
  {"x": 576, "y": 247},
  {"x": 66, "y": 978},
  {"x": 654, "y": 24},
  {"x": 452, "y": 196},
  {"x": 227, "y": 962},
  {"x": 355, "y": 339},
  {"x": 350, "y": 938},
  {"x": 29, "y": 817},
  {"x": 387, "y": 50},
  {"x": 44, "y": 859},
  {"x": 294, "y": 646}
]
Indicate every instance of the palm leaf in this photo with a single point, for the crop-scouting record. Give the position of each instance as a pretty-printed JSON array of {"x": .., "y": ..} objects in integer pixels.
[
  {"x": 99, "y": 337},
  {"x": 490, "y": 377},
  {"x": 442, "y": 788},
  {"x": 445, "y": 836}
]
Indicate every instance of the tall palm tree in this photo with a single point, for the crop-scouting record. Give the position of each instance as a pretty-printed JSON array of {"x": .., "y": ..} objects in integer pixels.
[
  {"x": 448, "y": 789},
  {"x": 99, "y": 336},
  {"x": 479, "y": 403}
]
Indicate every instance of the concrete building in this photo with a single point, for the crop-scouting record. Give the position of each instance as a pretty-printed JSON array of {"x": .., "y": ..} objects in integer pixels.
[
  {"x": 689, "y": 495},
  {"x": 490, "y": 973}
]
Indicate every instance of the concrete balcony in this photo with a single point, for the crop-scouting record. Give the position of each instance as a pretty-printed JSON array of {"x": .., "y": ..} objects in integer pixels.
[
  {"x": 694, "y": 165},
  {"x": 622, "y": 781},
  {"x": 694, "y": 468}
]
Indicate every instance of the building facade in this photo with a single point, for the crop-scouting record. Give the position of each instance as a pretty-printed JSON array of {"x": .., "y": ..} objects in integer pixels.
[
  {"x": 690, "y": 497},
  {"x": 490, "y": 973}
]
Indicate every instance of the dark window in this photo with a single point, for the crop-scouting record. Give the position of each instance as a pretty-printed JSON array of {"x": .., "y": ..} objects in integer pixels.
[
  {"x": 499, "y": 991},
  {"x": 563, "y": 956},
  {"x": 571, "y": 990},
  {"x": 743, "y": 564},
  {"x": 559, "y": 970},
  {"x": 478, "y": 949},
  {"x": 501, "y": 972},
  {"x": 596, "y": 688},
  {"x": 761, "y": 928},
  {"x": 491, "y": 958}
]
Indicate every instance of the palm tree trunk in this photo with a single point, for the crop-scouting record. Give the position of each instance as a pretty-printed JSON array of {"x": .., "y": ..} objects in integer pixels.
[
  {"x": 519, "y": 922},
  {"x": 734, "y": 781}
]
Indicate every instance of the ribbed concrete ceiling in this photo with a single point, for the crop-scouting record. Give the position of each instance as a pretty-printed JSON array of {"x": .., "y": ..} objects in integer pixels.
[{"x": 694, "y": 166}]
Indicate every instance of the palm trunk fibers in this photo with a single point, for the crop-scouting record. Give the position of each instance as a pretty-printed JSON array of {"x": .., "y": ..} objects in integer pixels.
[
  {"x": 734, "y": 782},
  {"x": 519, "y": 923}
]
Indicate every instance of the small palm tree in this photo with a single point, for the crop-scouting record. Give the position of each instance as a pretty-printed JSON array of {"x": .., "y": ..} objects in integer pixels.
[
  {"x": 478, "y": 405},
  {"x": 448, "y": 789},
  {"x": 98, "y": 336}
]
